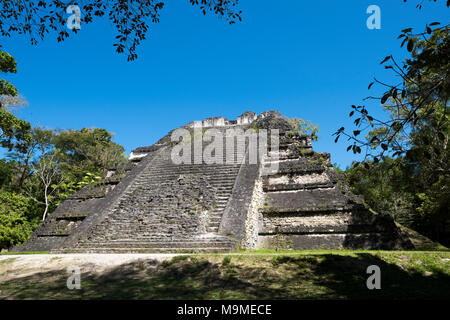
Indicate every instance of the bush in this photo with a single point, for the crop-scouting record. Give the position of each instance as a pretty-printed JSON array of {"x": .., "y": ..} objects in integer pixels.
[{"x": 17, "y": 219}]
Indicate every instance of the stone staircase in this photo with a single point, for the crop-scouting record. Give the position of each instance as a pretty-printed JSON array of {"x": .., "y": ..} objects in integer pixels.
[{"x": 169, "y": 208}]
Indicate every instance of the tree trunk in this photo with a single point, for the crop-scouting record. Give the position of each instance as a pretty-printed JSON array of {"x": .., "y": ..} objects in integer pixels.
[
  {"x": 23, "y": 175},
  {"x": 46, "y": 203}
]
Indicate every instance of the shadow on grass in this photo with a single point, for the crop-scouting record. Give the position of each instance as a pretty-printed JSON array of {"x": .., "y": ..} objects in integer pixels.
[{"x": 324, "y": 276}]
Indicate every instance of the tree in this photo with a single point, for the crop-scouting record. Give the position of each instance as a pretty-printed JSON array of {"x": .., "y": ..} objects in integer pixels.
[
  {"x": 88, "y": 150},
  {"x": 38, "y": 144},
  {"x": 12, "y": 102},
  {"x": 406, "y": 166},
  {"x": 6, "y": 174},
  {"x": 49, "y": 173},
  {"x": 384, "y": 186},
  {"x": 7, "y": 65},
  {"x": 131, "y": 18},
  {"x": 13, "y": 131}
]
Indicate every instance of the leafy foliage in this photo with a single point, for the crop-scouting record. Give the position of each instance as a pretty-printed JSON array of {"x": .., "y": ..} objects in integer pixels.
[
  {"x": 305, "y": 127},
  {"x": 416, "y": 197},
  {"x": 6, "y": 173},
  {"x": 88, "y": 150},
  {"x": 406, "y": 168},
  {"x": 383, "y": 187},
  {"x": 48, "y": 167},
  {"x": 13, "y": 131},
  {"x": 421, "y": 97},
  {"x": 17, "y": 218},
  {"x": 7, "y": 65},
  {"x": 131, "y": 18}
]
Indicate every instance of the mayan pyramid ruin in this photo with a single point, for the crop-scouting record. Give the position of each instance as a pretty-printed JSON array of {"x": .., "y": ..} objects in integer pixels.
[{"x": 286, "y": 197}]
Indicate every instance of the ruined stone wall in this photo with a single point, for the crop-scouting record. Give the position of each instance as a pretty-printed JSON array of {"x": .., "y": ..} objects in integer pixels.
[
  {"x": 254, "y": 217},
  {"x": 307, "y": 207}
]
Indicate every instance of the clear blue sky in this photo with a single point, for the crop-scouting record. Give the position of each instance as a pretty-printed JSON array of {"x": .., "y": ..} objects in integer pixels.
[{"x": 307, "y": 59}]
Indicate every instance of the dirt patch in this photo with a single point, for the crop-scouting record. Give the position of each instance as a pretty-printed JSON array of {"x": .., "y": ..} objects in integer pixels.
[{"x": 26, "y": 265}]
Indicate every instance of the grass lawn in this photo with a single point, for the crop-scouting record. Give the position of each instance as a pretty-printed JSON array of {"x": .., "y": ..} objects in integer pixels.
[
  {"x": 9, "y": 253},
  {"x": 323, "y": 274}
]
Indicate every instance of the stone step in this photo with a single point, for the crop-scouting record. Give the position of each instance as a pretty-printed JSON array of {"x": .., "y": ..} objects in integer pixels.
[
  {"x": 220, "y": 185},
  {"x": 162, "y": 244},
  {"x": 158, "y": 237},
  {"x": 145, "y": 250},
  {"x": 219, "y": 201},
  {"x": 213, "y": 229},
  {"x": 224, "y": 189},
  {"x": 168, "y": 164},
  {"x": 233, "y": 162},
  {"x": 223, "y": 185},
  {"x": 171, "y": 211},
  {"x": 288, "y": 187},
  {"x": 305, "y": 200},
  {"x": 176, "y": 175},
  {"x": 350, "y": 221},
  {"x": 371, "y": 241},
  {"x": 321, "y": 229},
  {"x": 302, "y": 165},
  {"x": 206, "y": 172},
  {"x": 169, "y": 172},
  {"x": 197, "y": 168},
  {"x": 223, "y": 199},
  {"x": 285, "y": 154},
  {"x": 216, "y": 213}
]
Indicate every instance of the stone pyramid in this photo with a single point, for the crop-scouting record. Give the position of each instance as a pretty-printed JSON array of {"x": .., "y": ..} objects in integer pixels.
[{"x": 156, "y": 204}]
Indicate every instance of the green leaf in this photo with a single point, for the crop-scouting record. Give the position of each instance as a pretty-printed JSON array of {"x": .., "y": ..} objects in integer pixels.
[
  {"x": 410, "y": 45},
  {"x": 385, "y": 59}
]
